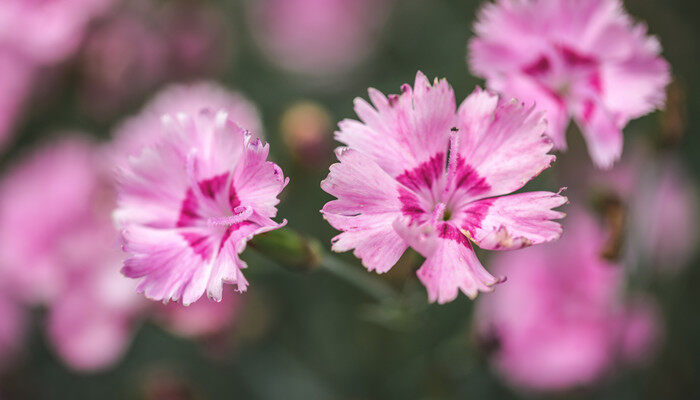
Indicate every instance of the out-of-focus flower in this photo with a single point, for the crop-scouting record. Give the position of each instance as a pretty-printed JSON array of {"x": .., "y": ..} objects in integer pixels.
[
  {"x": 42, "y": 198},
  {"x": 582, "y": 59},
  {"x": 15, "y": 84},
  {"x": 122, "y": 58},
  {"x": 198, "y": 40},
  {"x": 46, "y": 32},
  {"x": 58, "y": 247},
  {"x": 201, "y": 319},
  {"x": 394, "y": 190},
  {"x": 306, "y": 130},
  {"x": 660, "y": 205},
  {"x": 317, "y": 37},
  {"x": 560, "y": 321},
  {"x": 145, "y": 129},
  {"x": 12, "y": 327},
  {"x": 189, "y": 204},
  {"x": 91, "y": 323}
]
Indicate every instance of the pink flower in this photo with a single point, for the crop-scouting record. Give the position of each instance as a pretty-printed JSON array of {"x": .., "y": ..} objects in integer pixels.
[
  {"x": 46, "y": 31},
  {"x": 560, "y": 321},
  {"x": 42, "y": 198},
  {"x": 122, "y": 59},
  {"x": 582, "y": 59},
  {"x": 144, "y": 129},
  {"x": 91, "y": 323},
  {"x": 58, "y": 247},
  {"x": 394, "y": 190},
  {"x": 189, "y": 204},
  {"x": 201, "y": 319},
  {"x": 317, "y": 37}
]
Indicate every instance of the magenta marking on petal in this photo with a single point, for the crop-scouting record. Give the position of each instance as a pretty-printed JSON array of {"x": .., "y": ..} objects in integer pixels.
[
  {"x": 466, "y": 178},
  {"x": 230, "y": 230},
  {"x": 425, "y": 175},
  {"x": 575, "y": 59},
  {"x": 188, "y": 212},
  {"x": 410, "y": 204},
  {"x": 450, "y": 232},
  {"x": 233, "y": 199},
  {"x": 539, "y": 67},
  {"x": 212, "y": 186},
  {"x": 199, "y": 244},
  {"x": 475, "y": 214}
]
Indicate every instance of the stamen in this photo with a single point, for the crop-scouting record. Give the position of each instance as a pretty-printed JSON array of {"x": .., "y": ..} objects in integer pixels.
[
  {"x": 241, "y": 213},
  {"x": 452, "y": 161},
  {"x": 438, "y": 213}
]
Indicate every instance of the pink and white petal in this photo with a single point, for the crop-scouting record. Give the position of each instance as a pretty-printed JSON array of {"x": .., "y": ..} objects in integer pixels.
[
  {"x": 166, "y": 262},
  {"x": 150, "y": 189},
  {"x": 257, "y": 182},
  {"x": 360, "y": 185},
  {"x": 372, "y": 237},
  {"x": 453, "y": 267},
  {"x": 515, "y": 221},
  {"x": 511, "y": 150},
  {"x": 475, "y": 114},
  {"x": 636, "y": 86},
  {"x": 526, "y": 90},
  {"x": 602, "y": 132},
  {"x": 404, "y": 130}
]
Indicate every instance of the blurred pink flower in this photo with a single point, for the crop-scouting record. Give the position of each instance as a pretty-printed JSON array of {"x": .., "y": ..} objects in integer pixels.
[
  {"x": 189, "y": 204},
  {"x": 44, "y": 31},
  {"x": 200, "y": 319},
  {"x": 12, "y": 328},
  {"x": 42, "y": 197},
  {"x": 15, "y": 85},
  {"x": 91, "y": 323},
  {"x": 582, "y": 59},
  {"x": 661, "y": 203},
  {"x": 198, "y": 39},
  {"x": 394, "y": 190},
  {"x": 144, "y": 130},
  {"x": 122, "y": 58},
  {"x": 58, "y": 247},
  {"x": 560, "y": 321},
  {"x": 318, "y": 37}
]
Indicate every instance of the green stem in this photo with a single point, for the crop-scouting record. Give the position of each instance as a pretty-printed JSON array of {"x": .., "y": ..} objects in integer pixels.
[{"x": 358, "y": 278}]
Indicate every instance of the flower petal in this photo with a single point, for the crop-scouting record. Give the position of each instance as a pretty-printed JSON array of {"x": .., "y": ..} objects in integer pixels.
[
  {"x": 515, "y": 221},
  {"x": 509, "y": 149}
]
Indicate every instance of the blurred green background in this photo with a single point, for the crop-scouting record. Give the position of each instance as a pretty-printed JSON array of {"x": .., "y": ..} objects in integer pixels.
[{"x": 313, "y": 336}]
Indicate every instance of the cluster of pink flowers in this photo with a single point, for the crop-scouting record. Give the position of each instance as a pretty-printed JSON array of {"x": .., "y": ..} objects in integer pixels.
[
  {"x": 59, "y": 248},
  {"x": 194, "y": 184}
]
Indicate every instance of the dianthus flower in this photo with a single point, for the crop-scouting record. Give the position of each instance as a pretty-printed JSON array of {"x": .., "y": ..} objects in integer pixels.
[
  {"x": 398, "y": 186},
  {"x": 189, "y": 204},
  {"x": 582, "y": 59}
]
